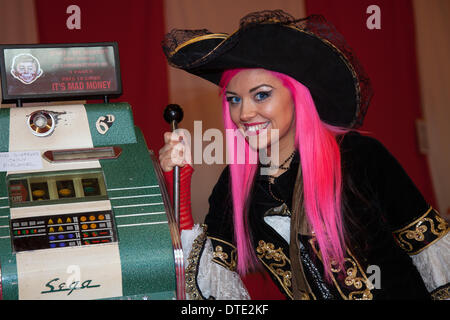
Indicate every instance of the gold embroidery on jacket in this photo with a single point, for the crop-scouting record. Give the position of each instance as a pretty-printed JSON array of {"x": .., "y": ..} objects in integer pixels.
[
  {"x": 356, "y": 280},
  {"x": 223, "y": 256},
  {"x": 220, "y": 255},
  {"x": 277, "y": 263},
  {"x": 422, "y": 232}
]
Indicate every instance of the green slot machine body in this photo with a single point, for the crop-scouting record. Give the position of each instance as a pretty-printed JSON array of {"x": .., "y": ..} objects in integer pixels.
[{"x": 84, "y": 213}]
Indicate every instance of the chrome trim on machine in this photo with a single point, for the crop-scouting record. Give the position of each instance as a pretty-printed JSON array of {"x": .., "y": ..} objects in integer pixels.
[
  {"x": 1, "y": 286},
  {"x": 174, "y": 231}
]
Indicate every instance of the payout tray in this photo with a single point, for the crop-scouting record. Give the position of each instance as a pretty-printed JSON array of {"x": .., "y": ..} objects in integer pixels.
[{"x": 84, "y": 213}]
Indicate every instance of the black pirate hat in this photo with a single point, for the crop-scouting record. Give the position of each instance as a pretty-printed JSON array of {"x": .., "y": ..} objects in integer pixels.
[{"x": 310, "y": 50}]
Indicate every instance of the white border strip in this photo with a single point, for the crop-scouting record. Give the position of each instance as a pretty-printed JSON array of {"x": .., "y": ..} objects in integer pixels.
[
  {"x": 140, "y": 214},
  {"x": 132, "y": 188},
  {"x": 138, "y": 205},
  {"x": 141, "y": 224},
  {"x": 138, "y": 196}
]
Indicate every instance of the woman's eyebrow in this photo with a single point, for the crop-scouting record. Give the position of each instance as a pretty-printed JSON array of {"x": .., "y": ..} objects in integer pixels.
[
  {"x": 257, "y": 87},
  {"x": 251, "y": 90}
]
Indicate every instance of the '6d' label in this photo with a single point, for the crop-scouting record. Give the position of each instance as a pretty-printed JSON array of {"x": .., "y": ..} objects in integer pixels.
[{"x": 103, "y": 123}]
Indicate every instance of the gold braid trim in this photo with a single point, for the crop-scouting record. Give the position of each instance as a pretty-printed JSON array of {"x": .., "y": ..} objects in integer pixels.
[
  {"x": 277, "y": 263},
  {"x": 192, "y": 269},
  {"x": 224, "y": 254},
  {"x": 422, "y": 232},
  {"x": 357, "y": 285},
  {"x": 441, "y": 293}
]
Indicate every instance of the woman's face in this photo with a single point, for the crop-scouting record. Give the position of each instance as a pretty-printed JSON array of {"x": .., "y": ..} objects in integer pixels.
[{"x": 260, "y": 104}]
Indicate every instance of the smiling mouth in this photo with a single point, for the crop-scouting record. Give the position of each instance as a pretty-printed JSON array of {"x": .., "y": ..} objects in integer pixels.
[{"x": 255, "y": 128}]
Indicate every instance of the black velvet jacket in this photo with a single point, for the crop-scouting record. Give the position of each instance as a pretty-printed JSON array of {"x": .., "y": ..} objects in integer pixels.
[{"x": 381, "y": 215}]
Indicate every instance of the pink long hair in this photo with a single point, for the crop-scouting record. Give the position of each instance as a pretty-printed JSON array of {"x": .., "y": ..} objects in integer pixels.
[{"x": 321, "y": 172}]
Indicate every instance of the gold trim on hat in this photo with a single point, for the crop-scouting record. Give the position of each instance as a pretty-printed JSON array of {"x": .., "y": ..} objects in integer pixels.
[
  {"x": 200, "y": 38},
  {"x": 347, "y": 63}
]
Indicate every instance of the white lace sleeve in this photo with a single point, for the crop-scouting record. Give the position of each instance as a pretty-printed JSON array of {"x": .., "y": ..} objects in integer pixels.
[
  {"x": 433, "y": 264},
  {"x": 205, "y": 278}
]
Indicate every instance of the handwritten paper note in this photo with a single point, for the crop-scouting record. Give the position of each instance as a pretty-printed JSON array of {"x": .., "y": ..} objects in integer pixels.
[{"x": 20, "y": 161}]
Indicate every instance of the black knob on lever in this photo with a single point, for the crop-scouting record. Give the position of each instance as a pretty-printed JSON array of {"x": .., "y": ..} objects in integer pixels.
[{"x": 173, "y": 114}]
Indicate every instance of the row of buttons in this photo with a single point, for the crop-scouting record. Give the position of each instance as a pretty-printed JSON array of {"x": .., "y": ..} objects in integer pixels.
[
  {"x": 62, "y": 229},
  {"x": 59, "y": 220},
  {"x": 28, "y": 224},
  {"x": 87, "y": 242},
  {"x": 28, "y": 231},
  {"x": 96, "y": 234},
  {"x": 93, "y": 226},
  {"x": 63, "y": 244},
  {"x": 62, "y": 237},
  {"x": 100, "y": 217}
]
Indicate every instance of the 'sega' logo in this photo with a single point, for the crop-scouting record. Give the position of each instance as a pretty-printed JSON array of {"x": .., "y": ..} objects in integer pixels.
[{"x": 55, "y": 285}]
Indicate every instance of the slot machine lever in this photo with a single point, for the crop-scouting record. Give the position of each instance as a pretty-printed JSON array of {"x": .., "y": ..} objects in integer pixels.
[{"x": 173, "y": 114}]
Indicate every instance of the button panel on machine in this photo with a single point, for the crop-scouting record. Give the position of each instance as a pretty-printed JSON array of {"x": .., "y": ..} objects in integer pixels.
[{"x": 59, "y": 231}]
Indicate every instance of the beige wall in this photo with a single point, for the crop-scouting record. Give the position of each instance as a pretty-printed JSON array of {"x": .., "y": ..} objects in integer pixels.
[
  {"x": 433, "y": 51},
  {"x": 18, "y": 21},
  {"x": 198, "y": 98}
]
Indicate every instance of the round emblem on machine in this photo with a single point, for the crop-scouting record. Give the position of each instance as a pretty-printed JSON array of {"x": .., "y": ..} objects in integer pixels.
[{"x": 41, "y": 123}]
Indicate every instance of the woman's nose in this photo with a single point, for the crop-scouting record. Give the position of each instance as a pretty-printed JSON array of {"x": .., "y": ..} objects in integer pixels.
[{"x": 248, "y": 111}]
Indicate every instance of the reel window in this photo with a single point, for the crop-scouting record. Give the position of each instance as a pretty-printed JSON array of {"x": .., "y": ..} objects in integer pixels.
[{"x": 56, "y": 187}]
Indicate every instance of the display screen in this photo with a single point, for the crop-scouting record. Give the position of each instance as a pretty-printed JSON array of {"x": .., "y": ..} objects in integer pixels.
[{"x": 40, "y": 72}]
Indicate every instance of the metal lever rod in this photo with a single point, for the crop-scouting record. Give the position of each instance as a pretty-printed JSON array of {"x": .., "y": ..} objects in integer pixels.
[
  {"x": 176, "y": 185},
  {"x": 173, "y": 114}
]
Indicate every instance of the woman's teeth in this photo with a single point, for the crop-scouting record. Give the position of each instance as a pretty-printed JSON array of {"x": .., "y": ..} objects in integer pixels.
[{"x": 257, "y": 127}]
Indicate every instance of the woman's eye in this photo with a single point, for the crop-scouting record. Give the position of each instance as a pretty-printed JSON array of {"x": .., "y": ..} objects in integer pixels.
[
  {"x": 262, "y": 95},
  {"x": 233, "y": 100}
]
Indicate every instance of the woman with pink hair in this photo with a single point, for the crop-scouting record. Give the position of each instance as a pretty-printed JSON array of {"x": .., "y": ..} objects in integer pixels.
[{"x": 331, "y": 206}]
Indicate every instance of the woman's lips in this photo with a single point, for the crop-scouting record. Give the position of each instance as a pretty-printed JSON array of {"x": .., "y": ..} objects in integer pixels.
[{"x": 253, "y": 129}]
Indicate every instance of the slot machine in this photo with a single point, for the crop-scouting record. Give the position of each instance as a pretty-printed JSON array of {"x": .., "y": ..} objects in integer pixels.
[{"x": 84, "y": 212}]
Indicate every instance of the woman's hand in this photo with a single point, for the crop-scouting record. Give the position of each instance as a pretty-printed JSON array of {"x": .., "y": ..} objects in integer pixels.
[{"x": 176, "y": 151}]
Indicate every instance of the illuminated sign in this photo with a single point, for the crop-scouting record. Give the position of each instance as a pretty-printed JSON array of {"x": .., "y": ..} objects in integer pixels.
[{"x": 47, "y": 72}]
